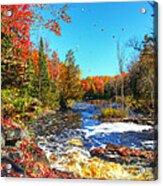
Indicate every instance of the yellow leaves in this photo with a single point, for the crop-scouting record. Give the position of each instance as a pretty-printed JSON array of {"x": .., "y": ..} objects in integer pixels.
[{"x": 79, "y": 74}]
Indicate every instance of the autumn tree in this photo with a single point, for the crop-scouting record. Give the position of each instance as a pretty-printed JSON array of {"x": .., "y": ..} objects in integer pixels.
[
  {"x": 53, "y": 70},
  {"x": 148, "y": 59},
  {"x": 15, "y": 44},
  {"x": 33, "y": 71},
  {"x": 69, "y": 84},
  {"x": 17, "y": 22}
]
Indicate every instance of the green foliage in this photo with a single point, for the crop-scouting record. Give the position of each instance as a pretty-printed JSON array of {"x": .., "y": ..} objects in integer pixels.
[
  {"x": 43, "y": 74},
  {"x": 20, "y": 107},
  {"x": 112, "y": 113},
  {"x": 135, "y": 104},
  {"x": 70, "y": 103},
  {"x": 39, "y": 83},
  {"x": 52, "y": 100}
]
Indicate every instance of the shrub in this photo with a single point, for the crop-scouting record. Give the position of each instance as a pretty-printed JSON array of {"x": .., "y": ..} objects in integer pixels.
[
  {"x": 52, "y": 100},
  {"x": 112, "y": 113},
  {"x": 136, "y": 105},
  {"x": 19, "y": 107}
]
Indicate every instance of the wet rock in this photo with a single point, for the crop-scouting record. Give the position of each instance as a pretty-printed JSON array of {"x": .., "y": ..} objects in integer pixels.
[
  {"x": 9, "y": 167},
  {"x": 2, "y": 135},
  {"x": 137, "y": 120},
  {"x": 12, "y": 136},
  {"x": 2, "y": 140},
  {"x": 122, "y": 154},
  {"x": 86, "y": 167},
  {"x": 55, "y": 123},
  {"x": 10, "y": 164},
  {"x": 96, "y": 116}
]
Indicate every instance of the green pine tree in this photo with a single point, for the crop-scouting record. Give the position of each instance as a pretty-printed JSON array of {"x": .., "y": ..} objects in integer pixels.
[
  {"x": 44, "y": 83},
  {"x": 34, "y": 81}
]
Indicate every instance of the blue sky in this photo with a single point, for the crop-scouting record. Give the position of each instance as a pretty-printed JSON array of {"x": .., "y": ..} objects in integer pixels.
[{"x": 91, "y": 32}]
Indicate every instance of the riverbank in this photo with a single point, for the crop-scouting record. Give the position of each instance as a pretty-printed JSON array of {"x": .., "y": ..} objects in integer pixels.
[
  {"x": 71, "y": 150},
  {"x": 21, "y": 155},
  {"x": 74, "y": 144}
]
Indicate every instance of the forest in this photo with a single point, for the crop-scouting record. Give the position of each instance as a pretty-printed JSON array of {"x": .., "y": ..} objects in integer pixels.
[{"x": 35, "y": 83}]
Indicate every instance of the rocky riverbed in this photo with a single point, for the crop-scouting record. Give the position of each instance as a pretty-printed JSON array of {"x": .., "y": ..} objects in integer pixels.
[{"x": 76, "y": 142}]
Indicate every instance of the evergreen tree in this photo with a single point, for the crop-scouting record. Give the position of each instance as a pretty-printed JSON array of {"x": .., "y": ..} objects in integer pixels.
[
  {"x": 42, "y": 74},
  {"x": 33, "y": 80}
]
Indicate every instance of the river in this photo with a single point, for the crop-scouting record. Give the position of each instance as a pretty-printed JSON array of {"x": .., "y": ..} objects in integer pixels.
[{"x": 92, "y": 133}]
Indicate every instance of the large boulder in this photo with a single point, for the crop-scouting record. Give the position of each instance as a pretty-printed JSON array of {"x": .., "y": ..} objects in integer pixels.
[{"x": 12, "y": 136}]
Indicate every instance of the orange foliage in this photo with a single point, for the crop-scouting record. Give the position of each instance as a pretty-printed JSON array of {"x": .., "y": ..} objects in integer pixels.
[
  {"x": 85, "y": 84},
  {"x": 124, "y": 74},
  {"x": 35, "y": 59},
  {"x": 98, "y": 82}
]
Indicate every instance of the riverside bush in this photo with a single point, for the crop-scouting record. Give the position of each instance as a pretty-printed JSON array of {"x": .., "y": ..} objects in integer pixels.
[
  {"x": 112, "y": 113},
  {"x": 19, "y": 106}
]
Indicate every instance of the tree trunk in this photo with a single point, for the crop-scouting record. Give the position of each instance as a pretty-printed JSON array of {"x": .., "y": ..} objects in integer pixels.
[
  {"x": 63, "y": 103},
  {"x": 39, "y": 90},
  {"x": 116, "y": 94},
  {"x": 122, "y": 92}
]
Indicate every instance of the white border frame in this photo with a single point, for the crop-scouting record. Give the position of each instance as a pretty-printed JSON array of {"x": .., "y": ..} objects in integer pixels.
[{"x": 60, "y": 182}]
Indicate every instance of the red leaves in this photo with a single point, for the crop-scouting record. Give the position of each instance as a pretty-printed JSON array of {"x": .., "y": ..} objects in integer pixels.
[
  {"x": 117, "y": 76},
  {"x": 35, "y": 168},
  {"x": 56, "y": 28},
  {"x": 17, "y": 28},
  {"x": 13, "y": 174},
  {"x": 54, "y": 24},
  {"x": 8, "y": 123},
  {"x": 123, "y": 154},
  {"x": 64, "y": 15},
  {"x": 53, "y": 67},
  {"x": 53, "y": 70},
  {"x": 25, "y": 7},
  {"x": 24, "y": 144},
  {"x": 66, "y": 18},
  {"x": 31, "y": 159}
]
